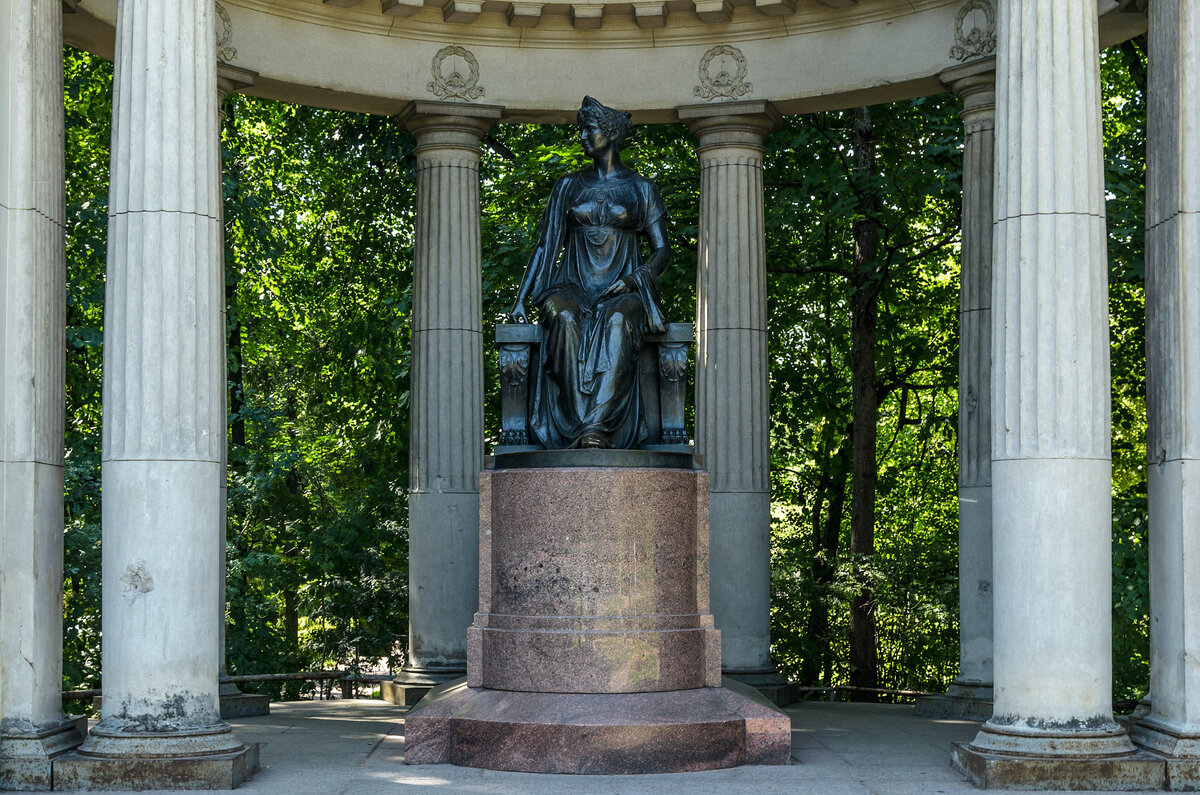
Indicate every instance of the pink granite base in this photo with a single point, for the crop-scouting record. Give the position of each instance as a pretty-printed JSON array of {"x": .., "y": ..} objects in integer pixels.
[
  {"x": 593, "y": 580},
  {"x": 597, "y": 733}
]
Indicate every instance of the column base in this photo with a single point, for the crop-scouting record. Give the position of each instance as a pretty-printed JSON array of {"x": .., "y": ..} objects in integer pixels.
[
  {"x": 27, "y": 758},
  {"x": 218, "y": 771},
  {"x": 236, "y": 704},
  {"x": 1136, "y": 771},
  {"x": 767, "y": 681},
  {"x": 411, "y": 685},
  {"x": 675, "y": 731},
  {"x": 1179, "y": 751},
  {"x": 1140, "y": 712},
  {"x": 962, "y": 701},
  {"x": 244, "y": 705}
]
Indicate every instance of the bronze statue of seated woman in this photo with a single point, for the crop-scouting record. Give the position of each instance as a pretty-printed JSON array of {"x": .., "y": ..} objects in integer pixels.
[{"x": 596, "y": 295}]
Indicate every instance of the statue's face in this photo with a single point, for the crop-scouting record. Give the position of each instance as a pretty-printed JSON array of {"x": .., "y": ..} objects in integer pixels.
[{"x": 593, "y": 139}]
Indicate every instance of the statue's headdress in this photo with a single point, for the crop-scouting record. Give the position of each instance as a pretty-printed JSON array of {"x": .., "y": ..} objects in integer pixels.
[{"x": 616, "y": 125}]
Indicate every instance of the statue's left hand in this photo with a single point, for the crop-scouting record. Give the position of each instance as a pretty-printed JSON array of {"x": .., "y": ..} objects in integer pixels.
[{"x": 617, "y": 288}]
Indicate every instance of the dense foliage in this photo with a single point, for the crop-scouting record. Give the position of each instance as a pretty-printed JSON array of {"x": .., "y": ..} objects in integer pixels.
[{"x": 318, "y": 225}]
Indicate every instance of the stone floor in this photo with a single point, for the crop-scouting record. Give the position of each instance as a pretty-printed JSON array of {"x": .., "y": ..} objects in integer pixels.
[{"x": 343, "y": 747}]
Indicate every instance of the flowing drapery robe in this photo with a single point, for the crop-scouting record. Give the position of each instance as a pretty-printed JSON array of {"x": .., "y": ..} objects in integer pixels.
[{"x": 586, "y": 380}]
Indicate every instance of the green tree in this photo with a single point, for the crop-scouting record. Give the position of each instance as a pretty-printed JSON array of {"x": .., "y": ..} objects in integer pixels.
[
  {"x": 862, "y": 260},
  {"x": 88, "y": 98}
]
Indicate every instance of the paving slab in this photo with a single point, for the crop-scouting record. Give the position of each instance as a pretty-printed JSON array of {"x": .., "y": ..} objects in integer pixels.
[{"x": 356, "y": 747}]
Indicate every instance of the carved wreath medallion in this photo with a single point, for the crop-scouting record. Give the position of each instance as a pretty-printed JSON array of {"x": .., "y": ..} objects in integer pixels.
[
  {"x": 225, "y": 49},
  {"x": 716, "y": 79},
  {"x": 454, "y": 85},
  {"x": 978, "y": 41}
]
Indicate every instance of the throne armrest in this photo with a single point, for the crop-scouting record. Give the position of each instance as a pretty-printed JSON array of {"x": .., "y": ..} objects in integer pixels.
[
  {"x": 672, "y": 349},
  {"x": 516, "y": 343}
]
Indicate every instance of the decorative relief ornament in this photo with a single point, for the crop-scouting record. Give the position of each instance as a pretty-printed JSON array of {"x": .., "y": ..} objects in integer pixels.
[
  {"x": 717, "y": 79},
  {"x": 980, "y": 40},
  {"x": 514, "y": 364},
  {"x": 672, "y": 361},
  {"x": 225, "y": 50},
  {"x": 454, "y": 85}
]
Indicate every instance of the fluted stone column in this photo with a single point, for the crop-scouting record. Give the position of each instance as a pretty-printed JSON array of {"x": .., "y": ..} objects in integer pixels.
[
  {"x": 446, "y": 427},
  {"x": 1172, "y": 726},
  {"x": 1051, "y": 469},
  {"x": 970, "y": 695},
  {"x": 732, "y": 418},
  {"x": 163, "y": 429},
  {"x": 33, "y": 728},
  {"x": 233, "y": 702}
]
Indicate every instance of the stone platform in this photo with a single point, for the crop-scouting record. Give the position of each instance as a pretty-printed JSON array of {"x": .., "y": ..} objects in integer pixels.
[
  {"x": 357, "y": 746},
  {"x": 216, "y": 772},
  {"x": 324, "y": 747},
  {"x": 598, "y": 733},
  {"x": 1131, "y": 773},
  {"x": 195, "y": 757},
  {"x": 27, "y": 759}
]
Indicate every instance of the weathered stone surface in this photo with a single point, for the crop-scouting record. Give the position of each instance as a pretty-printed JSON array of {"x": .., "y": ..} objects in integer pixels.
[
  {"x": 222, "y": 771},
  {"x": 962, "y": 701},
  {"x": 1183, "y": 773},
  {"x": 1140, "y": 771},
  {"x": 768, "y": 683},
  {"x": 32, "y": 350},
  {"x": 244, "y": 705},
  {"x": 1179, "y": 750},
  {"x": 410, "y": 685},
  {"x": 1051, "y": 457},
  {"x": 164, "y": 381},
  {"x": 27, "y": 774},
  {"x": 732, "y": 417},
  {"x": 593, "y": 581},
  {"x": 1168, "y": 726},
  {"x": 975, "y": 84},
  {"x": 446, "y": 450},
  {"x": 27, "y": 758},
  {"x": 602, "y": 734}
]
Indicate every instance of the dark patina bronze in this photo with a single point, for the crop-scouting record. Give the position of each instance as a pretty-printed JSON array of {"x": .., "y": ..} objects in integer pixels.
[{"x": 597, "y": 300}]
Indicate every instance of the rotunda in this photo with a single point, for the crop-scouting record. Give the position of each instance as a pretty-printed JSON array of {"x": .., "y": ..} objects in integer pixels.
[{"x": 1035, "y": 476}]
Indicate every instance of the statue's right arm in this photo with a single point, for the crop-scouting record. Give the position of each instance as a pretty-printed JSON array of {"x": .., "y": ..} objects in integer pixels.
[
  {"x": 518, "y": 313},
  {"x": 550, "y": 234}
]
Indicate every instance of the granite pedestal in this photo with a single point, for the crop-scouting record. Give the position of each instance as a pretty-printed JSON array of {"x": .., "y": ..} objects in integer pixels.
[{"x": 593, "y": 650}]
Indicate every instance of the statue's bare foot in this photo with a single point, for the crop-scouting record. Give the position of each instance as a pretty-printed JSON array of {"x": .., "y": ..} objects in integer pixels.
[{"x": 593, "y": 441}]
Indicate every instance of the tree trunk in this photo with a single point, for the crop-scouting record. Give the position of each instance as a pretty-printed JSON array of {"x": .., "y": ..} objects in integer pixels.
[
  {"x": 291, "y": 620},
  {"x": 865, "y": 286},
  {"x": 826, "y": 533}
]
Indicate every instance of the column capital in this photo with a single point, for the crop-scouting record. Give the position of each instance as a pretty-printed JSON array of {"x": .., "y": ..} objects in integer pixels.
[
  {"x": 975, "y": 84},
  {"x": 232, "y": 80},
  {"x": 453, "y": 125},
  {"x": 730, "y": 123}
]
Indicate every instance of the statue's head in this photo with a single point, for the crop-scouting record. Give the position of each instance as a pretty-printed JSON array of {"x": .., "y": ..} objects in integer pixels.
[{"x": 616, "y": 125}]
